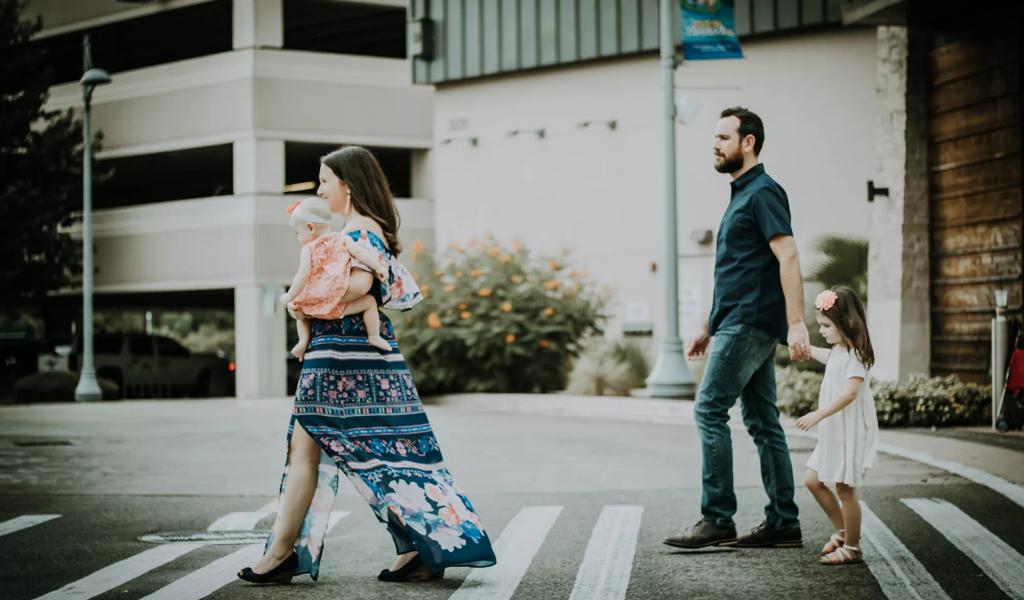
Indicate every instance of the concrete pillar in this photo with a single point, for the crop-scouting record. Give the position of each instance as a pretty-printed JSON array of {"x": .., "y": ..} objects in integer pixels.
[
  {"x": 260, "y": 351},
  {"x": 257, "y": 24},
  {"x": 898, "y": 262},
  {"x": 422, "y": 174},
  {"x": 258, "y": 167}
]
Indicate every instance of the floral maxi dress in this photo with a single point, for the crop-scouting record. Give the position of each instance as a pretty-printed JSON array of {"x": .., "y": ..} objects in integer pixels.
[{"x": 361, "y": 406}]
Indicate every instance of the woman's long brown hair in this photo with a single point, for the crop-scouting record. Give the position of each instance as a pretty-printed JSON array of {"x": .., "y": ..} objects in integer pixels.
[
  {"x": 369, "y": 190},
  {"x": 849, "y": 317}
]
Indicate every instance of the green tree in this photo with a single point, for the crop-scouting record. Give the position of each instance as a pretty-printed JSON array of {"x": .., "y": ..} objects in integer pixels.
[
  {"x": 844, "y": 262},
  {"x": 41, "y": 163}
]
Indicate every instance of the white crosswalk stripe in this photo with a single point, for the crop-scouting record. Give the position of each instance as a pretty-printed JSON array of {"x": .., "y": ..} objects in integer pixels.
[
  {"x": 608, "y": 560},
  {"x": 900, "y": 575},
  {"x": 244, "y": 521},
  {"x": 212, "y": 577},
  {"x": 515, "y": 549},
  {"x": 135, "y": 566},
  {"x": 605, "y": 567},
  {"x": 238, "y": 521},
  {"x": 123, "y": 571},
  {"x": 994, "y": 556},
  {"x": 24, "y": 522}
]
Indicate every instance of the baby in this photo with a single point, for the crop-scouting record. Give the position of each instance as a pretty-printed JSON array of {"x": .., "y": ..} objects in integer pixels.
[{"x": 325, "y": 261}]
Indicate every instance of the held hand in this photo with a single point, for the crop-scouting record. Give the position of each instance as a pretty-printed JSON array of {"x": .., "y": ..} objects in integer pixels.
[
  {"x": 698, "y": 345},
  {"x": 806, "y": 422},
  {"x": 799, "y": 342}
]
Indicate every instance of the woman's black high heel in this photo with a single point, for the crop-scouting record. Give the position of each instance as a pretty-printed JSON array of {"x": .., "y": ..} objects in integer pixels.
[
  {"x": 281, "y": 574},
  {"x": 414, "y": 570}
]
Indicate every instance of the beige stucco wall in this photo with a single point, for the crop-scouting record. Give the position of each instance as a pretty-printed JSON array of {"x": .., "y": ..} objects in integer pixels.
[{"x": 600, "y": 192}]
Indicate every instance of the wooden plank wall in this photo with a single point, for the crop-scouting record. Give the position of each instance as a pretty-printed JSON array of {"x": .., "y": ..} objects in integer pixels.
[{"x": 975, "y": 196}]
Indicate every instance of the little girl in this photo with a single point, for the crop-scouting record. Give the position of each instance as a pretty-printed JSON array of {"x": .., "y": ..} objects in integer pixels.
[
  {"x": 325, "y": 262},
  {"x": 848, "y": 425}
]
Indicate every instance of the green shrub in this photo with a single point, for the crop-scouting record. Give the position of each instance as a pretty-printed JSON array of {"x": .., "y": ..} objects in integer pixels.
[
  {"x": 920, "y": 402},
  {"x": 494, "y": 319},
  {"x": 612, "y": 368},
  {"x": 935, "y": 401},
  {"x": 797, "y": 390}
]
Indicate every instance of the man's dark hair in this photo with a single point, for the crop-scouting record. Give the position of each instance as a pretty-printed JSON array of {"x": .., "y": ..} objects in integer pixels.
[{"x": 750, "y": 124}]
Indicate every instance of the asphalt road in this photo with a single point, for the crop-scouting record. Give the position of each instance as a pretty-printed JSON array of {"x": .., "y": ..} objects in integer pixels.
[{"x": 579, "y": 502}]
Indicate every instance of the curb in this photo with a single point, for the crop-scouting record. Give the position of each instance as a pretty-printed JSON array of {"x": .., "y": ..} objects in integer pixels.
[{"x": 680, "y": 412}]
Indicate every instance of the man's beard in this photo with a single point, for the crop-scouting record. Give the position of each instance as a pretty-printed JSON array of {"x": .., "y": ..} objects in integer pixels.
[{"x": 730, "y": 164}]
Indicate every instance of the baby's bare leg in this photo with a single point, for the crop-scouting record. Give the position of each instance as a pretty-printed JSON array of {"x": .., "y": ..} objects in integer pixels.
[
  {"x": 302, "y": 327},
  {"x": 368, "y": 306}
]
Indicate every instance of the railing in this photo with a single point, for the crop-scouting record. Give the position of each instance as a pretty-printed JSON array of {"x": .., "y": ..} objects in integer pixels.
[
  {"x": 293, "y": 65},
  {"x": 210, "y": 243},
  {"x": 220, "y": 212}
]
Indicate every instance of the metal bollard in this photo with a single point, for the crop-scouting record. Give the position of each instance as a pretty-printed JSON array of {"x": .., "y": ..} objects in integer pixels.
[{"x": 1000, "y": 333}]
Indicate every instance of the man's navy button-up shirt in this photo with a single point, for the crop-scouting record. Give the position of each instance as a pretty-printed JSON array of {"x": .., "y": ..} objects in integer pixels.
[{"x": 747, "y": 286}]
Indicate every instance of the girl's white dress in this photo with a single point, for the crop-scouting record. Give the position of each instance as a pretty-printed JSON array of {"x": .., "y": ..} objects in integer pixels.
[{"x": 848, "y": 440}]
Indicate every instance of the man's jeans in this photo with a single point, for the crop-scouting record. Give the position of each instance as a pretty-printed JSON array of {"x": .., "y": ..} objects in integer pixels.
[{"x": 742, "y": 364}]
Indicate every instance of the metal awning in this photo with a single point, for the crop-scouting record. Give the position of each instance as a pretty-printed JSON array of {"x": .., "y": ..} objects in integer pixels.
[
  {"x": 875, "y": 12},
  {"x": 927, "y": 13}
]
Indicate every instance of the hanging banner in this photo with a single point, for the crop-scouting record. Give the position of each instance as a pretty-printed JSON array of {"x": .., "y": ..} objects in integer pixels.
[{"x": 708, "y": 30}]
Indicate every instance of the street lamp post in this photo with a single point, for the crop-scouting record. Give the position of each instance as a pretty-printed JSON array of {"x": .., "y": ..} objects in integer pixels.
[
  {"x": 88, "y": 388},
  {"x": 671, "y": 377}
]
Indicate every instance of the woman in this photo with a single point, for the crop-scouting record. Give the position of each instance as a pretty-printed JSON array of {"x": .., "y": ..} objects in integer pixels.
[{"x": 356, "y": 410}]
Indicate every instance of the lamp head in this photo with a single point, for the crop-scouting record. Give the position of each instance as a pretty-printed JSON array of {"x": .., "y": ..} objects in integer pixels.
[{"x": 94, "y": 77}]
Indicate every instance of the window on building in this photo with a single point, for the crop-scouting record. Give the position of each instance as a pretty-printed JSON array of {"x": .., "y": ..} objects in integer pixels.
[
  {"x": 177, "y": 175},
  {"x": 302, "y": 164},
  {"x": 344, "y": 28},
  {"x": 167, "y": 36}
]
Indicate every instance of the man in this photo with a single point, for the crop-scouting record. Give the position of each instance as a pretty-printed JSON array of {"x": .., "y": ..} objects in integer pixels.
[{"x": 758, "y": 302}]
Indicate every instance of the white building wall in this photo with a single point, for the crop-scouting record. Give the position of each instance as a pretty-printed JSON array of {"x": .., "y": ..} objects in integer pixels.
[
  {"x": 600, "y": 191},
  {"x": 256, "y": 97}
]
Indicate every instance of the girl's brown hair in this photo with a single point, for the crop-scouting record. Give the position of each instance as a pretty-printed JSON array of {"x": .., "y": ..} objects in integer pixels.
[
  {"x": 368, "y": 188},
  {"x": 847, "y": 313}
]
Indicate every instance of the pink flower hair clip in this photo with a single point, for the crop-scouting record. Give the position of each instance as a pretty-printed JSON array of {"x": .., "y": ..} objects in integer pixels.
[
  {"x": 291, "y": 207},
  {"x": 826, "y": 300}
]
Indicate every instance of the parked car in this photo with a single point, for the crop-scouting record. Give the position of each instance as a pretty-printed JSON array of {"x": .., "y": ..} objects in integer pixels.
[
  {"x": 19, "y": 353},
  {"x": 149, "y": 366}
]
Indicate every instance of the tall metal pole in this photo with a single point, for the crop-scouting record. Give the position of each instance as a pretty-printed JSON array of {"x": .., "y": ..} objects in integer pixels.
[
  {"x": 88, "y": 388},
  {"x": 671, "y": 377}
]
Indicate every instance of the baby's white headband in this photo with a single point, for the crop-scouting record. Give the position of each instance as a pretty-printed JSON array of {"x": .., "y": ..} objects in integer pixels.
[
  {"x": 309, "y": 217},
  {"x": 296, "y": 210}
]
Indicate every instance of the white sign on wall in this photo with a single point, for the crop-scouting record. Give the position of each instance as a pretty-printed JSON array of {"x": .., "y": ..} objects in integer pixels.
[
  {"x": 638, "y": 319},
  {"x": 691, "y": 309}
]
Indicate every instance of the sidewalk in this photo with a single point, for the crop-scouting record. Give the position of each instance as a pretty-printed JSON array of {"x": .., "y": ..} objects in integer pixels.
[
  {"x": 257, "y": 425},
  {"x": 1001, "y": 461}
]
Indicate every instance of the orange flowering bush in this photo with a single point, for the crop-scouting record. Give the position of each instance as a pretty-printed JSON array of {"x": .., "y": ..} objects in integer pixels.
[{"x": 513, "y": 325}]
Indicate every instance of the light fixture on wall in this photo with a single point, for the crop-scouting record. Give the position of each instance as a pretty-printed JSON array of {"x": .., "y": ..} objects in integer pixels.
[
  {"x": 471, "y": 140},
  {"x": 702, "y": 237},
  {"x": 420, "y": 36},
  {"x": 540, "y": 133},
  {"x": 612, "y": 124},
  {"x": 876, "y": 191}
]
